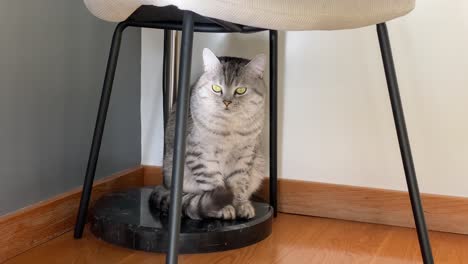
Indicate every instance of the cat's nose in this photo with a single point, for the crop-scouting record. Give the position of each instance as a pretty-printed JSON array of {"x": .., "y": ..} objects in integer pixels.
[{"x": 227, "y": 103}]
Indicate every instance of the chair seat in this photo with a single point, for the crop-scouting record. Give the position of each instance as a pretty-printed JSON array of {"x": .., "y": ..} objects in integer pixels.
[{"x": 271, "y": 14}]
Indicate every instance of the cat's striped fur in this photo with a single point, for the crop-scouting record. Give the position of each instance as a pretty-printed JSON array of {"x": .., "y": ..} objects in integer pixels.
[{"x": 224, "y": 165}]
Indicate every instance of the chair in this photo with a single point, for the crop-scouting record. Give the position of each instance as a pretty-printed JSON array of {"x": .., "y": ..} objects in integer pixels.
[{"x": 245, "y": 16}]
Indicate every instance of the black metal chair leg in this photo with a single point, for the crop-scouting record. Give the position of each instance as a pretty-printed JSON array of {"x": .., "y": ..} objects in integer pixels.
[
  {"x": 273, "y": 120},
  {"x": 166, "y": 73},
  {"x": 403, "y": 140},
  {"x": 99, "y": 129},
  {"x": 180, "y": 137}
]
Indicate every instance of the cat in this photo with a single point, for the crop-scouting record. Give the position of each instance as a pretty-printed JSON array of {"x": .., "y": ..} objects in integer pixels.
[{"x": 224, "y": 165}]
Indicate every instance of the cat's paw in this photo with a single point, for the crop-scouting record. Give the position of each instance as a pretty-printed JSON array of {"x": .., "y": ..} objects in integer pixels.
[
  {"x": 245, "y": 210},
  {"x": 228, "y": 213},
  {"x": 159, "y": 198}
]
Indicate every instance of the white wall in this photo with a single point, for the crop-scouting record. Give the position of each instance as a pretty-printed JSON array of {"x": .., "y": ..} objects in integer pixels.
[
  {"x": 335, "y": 118},
  {"x": 151, "y": 97}
]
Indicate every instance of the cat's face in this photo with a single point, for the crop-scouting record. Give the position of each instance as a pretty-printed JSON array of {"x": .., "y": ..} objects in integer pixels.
[{"x": 229, "y": 87}]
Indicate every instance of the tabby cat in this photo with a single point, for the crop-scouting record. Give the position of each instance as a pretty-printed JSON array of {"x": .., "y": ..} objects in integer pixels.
[{"x": 224, "y": 164}]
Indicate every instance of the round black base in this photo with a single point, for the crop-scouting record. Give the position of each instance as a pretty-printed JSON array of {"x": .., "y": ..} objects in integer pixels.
[{"x": 125, "y": 219}]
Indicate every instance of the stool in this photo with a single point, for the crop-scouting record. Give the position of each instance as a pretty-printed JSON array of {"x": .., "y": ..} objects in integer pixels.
[
  {"x": 245, "y": 16},
  {"x": 124, "y": 218}
]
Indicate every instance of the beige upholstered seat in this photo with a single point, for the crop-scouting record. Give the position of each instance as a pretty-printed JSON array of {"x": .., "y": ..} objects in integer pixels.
[{"x": 271, "y": 14}]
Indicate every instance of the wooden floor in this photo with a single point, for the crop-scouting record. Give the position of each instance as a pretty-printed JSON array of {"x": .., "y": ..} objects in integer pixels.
[{"x": 295, "y": 239}]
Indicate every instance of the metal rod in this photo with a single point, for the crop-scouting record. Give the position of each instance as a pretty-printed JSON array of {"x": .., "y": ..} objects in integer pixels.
[
  {"x": 231, "y": 27},
  {"x": 169, "y": 67},
  {"x": 165, "y": 77},
  {"x": 403, "y": 140},
  {"x": 274, "y": 120},
  {"x": 99, "y": 129},
  {"x": 174, "y": 69},
  {"x": 180, "y": 138},
  {"x": 213, "y": 28}
]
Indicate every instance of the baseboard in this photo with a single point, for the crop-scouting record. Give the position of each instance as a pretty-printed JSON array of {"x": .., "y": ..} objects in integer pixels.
[
  {"x": 443, "y": 213},
  {"x": 152, "y": 175},
  {"x": 36, "y": 224}
]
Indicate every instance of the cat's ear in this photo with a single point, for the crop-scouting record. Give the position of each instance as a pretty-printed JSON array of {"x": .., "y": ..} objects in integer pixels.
[
  {"x": 257, "y": 65},
  {"x": 210, "y": 61}
]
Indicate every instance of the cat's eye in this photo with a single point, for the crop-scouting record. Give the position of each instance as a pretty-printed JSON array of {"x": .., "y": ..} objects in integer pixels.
[
  {"x": 216, "y": 88},
  {"x": 241, "y": 90}
]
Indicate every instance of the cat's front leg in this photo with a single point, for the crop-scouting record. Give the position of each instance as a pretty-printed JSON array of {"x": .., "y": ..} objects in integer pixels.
[
  {"x": 239, "y": 185},
  {"x": 243, "y": 181},
  {"x": 204, "y": 176}
]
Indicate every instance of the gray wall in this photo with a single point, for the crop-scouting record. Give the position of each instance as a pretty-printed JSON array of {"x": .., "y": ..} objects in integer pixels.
[{"x": 52, "y": 60}]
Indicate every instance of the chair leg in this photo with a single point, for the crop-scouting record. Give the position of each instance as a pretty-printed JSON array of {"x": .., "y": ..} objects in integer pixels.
[
  {"x": 180, "y": 137},
  {"x": 404, "y": 143},
  {"x": 166, "y": 73},
  {"x": 273, "y": 120},
  {"x": 99, "y": 129},
  {"x": 169, "y": 56}
]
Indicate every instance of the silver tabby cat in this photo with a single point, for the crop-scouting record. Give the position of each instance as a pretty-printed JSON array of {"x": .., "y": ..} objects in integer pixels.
[{"x": 224, "y": 164}]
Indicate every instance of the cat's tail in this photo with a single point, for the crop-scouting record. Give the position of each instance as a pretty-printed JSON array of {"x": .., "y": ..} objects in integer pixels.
[{"x": 211, "y": 204}]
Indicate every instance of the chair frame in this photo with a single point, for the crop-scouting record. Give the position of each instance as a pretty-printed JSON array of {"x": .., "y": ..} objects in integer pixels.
[{"x": 188, "y": 27}]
